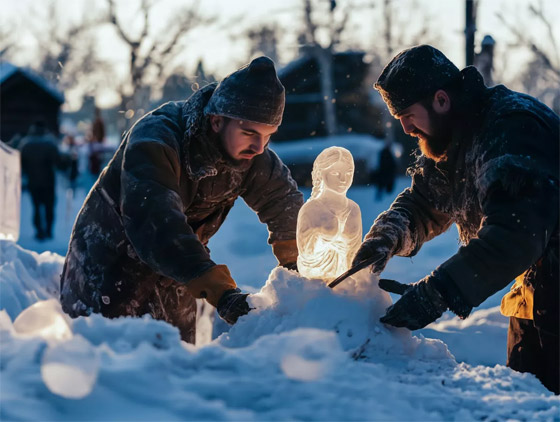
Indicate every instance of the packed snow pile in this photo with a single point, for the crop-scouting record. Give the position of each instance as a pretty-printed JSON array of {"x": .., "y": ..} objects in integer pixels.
[
  {"x": 486, "y": 328},
  {"x": 26, "y": 277},
  {"x": 305, "y": 352}
]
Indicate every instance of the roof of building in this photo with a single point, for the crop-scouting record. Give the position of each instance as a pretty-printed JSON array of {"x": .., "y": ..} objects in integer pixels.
[{"x": 7, "y": 70}]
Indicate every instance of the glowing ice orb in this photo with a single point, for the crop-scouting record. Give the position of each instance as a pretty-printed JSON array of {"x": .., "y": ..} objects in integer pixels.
[
  {"x": 45, "y": 319},
  {"x": 70, "y": 368}
]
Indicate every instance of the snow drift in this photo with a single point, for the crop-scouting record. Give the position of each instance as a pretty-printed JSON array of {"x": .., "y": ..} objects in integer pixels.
[{"x": 305, "y": 353}]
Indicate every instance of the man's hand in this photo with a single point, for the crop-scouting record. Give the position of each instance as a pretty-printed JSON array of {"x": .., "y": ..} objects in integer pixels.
[
  {"x": 420, "y": 304},
  {"x": 232, "y": 305},
  {"x": 423, "y": 302},
  {"x": 378, "y": 249}
]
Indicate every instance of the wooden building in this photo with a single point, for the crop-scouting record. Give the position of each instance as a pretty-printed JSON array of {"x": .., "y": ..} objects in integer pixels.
[
  {"x": 25, "y": 98},
  {"x": 304, "y": 115}
]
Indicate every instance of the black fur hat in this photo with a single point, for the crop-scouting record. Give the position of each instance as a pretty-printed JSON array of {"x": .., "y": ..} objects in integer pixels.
[
  {"x": 252, "y": 93},
  {"x": 413, "y": 75}
]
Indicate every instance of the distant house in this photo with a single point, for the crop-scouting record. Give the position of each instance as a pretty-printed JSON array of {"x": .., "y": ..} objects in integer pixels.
[
  {"x": 25, "y": 97},
  {"x": 304, "y": 116}
]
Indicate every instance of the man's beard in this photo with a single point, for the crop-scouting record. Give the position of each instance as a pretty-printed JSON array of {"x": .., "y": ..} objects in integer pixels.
[
  {"x": 241, "y": 164},
  {"x": 435, "y": 146}
]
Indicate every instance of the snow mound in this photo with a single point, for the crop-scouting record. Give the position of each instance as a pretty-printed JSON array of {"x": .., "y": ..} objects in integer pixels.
[
  {"x": 27, "y": 277},
  {"x": 305, "y": 353},
  {"x": 351, "y": 311},
  {"x": 486, "y": 327}
]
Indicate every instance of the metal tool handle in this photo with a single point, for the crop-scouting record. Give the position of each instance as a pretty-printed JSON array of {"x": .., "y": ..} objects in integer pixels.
[
  {"x": 352, "y": 271},
  {"x": 348, "y": 273}
]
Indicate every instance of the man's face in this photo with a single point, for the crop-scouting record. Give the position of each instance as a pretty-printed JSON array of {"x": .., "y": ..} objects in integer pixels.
[
  {"x": 241, "y": 139},
  {"x": 432, "y": 129}
]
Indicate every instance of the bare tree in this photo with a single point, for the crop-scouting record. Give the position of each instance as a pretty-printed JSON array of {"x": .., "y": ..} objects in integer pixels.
[
  {"x": 396, "y": 32},
  {"x": 8, "y": 40},
  {"x": 541, "y": 75},
  {"x": 264, "y": 40},
  {"x": 67, "y": 56},
  {"x": 151, "y": 55},
  {"x": 320, "y": 37}
]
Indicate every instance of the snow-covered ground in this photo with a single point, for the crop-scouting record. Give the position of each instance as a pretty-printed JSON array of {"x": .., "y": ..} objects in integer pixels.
[{"x": 306, "y": 353}]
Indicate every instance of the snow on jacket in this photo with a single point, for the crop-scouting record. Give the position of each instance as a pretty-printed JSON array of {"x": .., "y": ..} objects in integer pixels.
[
  {"x": 499, "y": 184},
  {"x": 161, "y": 198}
]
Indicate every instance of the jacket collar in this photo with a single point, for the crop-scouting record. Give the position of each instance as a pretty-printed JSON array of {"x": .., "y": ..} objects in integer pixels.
[{"x": 200, "y": 153}]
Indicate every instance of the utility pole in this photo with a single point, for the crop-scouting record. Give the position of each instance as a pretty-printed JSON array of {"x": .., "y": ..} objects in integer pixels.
[{"x": 470, "y": 29}]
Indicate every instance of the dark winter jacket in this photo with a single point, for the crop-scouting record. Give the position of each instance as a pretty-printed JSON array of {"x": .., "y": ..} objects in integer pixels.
[
  {"x": 39, "y": 160},
  {"x": 499, "y": 184},
  {"x": 161, "y": 198}
]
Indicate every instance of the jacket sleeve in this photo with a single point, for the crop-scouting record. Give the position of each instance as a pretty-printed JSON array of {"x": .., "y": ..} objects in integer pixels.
[
  {"x": 273, "y": 195},
  {"x": 152, "y": 210},
  {"x": 518, "y": 193},
  {"x": 411, "y": 220}
]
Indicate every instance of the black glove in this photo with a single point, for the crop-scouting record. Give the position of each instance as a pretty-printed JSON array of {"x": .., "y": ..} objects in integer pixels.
[
  {"x": 291, "y": 266},
  {"x": 378, "y": 249},
  {"x": 232, "y": 305},
  {"x": 423, "y": 302}
]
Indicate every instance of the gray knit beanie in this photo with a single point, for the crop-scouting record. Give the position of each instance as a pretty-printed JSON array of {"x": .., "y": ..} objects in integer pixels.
[
  {"x": 413, "y": 75},
  {"x": 252, "y": 93}
]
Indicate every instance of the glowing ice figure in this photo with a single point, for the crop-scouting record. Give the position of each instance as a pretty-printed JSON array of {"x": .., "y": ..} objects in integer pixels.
[{"x": 329, "y": 227}]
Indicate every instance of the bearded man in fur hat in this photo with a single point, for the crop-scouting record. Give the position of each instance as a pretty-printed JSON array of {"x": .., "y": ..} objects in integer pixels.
[
  {"x": 139, "y": 244},
  {"x": 488, "y": 163}
]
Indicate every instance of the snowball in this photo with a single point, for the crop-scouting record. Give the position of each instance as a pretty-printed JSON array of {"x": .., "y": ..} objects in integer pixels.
[
  {"x": 301, "y": 369},
  {"x": 70, "y": 368},
  {"x": 45, "y": 319}
]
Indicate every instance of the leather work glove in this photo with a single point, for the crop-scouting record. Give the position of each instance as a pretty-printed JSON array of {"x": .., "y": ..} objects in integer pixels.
[
  {"x": 211, "y": 284},
  {"x": 291, "y": 266},
  {"x": 232, "y": 305},
  {"x": 379, "y": 249},
  {"x": 286, "y": 252},
  {"x": 423, "y": 302}
]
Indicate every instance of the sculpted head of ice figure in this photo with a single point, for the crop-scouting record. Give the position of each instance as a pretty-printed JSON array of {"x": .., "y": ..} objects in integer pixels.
[
  {"x": 333, "y": 170},
  {"x": 329, "y": 228}
]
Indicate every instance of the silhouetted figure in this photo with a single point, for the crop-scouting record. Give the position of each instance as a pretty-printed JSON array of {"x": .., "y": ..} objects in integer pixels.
[
  {"x": 72, "y": 160},
  {"x": 384, "y": 177},
  {"x": 484, "y": 60},
  {"x": 39, "y": 159},
  {"x": 97, "y": 138}
]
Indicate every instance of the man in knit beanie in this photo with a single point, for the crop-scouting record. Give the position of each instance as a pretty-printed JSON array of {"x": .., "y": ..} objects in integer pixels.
[
  {"x": 489, "y": 164},
  {"x": 139, "y": 244}
]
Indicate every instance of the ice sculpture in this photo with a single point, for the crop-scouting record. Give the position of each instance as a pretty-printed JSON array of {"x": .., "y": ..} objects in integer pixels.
[{"x": 329, "y": 227}]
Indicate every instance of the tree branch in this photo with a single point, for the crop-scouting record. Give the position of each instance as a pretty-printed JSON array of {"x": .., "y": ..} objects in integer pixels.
[
  {"x": 112, "y": 18},
  {"x": 524, "y": 40}
]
